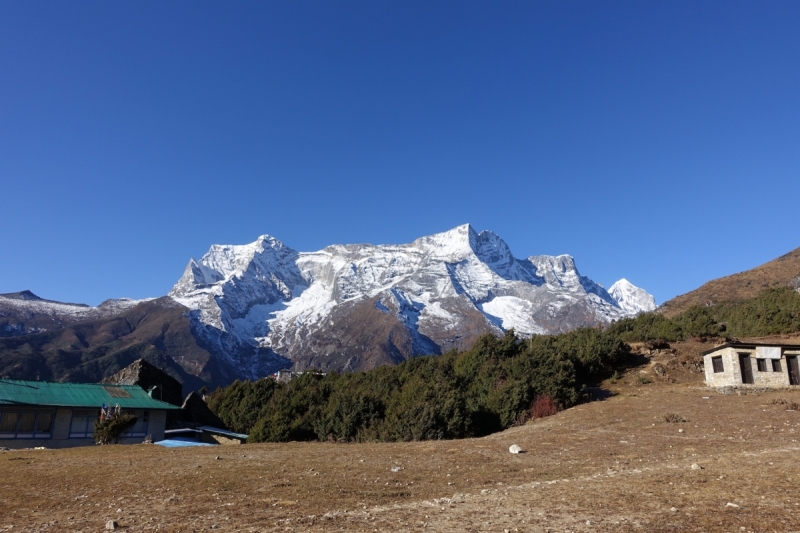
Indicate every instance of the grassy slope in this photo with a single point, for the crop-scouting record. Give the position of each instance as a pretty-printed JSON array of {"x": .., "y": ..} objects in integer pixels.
[{"x": 749, "y": 284}]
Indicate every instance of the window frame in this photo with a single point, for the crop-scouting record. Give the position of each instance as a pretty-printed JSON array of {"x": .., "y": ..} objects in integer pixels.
[
  {"x": 776, "y": 365},
  {"x": 88, "y": 433},
  {"x": 20, "y": 411},
  {"x": 761, "y": 365},
  {"x": 717, "y": 365}
]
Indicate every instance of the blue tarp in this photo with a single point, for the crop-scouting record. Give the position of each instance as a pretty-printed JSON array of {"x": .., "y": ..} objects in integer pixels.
[{"x": 179, "y": 442}]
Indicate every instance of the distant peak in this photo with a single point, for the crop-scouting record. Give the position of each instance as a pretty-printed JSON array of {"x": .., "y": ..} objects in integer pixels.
[
  {"x": 631, "y": 298},
  {"x": 21, "y": 295},
  {"x": 460, "y": 231},
  {"x": 454, "y": 243}
]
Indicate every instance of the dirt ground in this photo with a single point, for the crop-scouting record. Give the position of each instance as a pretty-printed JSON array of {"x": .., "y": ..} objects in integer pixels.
[{"x": 610, "y": 465}]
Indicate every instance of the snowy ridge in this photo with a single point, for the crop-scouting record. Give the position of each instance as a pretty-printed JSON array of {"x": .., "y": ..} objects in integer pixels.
[
  {"x": 78, "y": 311},
  {"x": 23, "y": 306},
  {"x": 440, "y": 288},
  {"x": 631, "y": 298}
]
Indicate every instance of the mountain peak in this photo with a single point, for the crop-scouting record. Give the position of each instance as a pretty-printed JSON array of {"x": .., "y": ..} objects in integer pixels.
[
  {"x": 21, "y": 295},
  {"x": 631, "y": 298},
  {"x": 454, "y": 244}
]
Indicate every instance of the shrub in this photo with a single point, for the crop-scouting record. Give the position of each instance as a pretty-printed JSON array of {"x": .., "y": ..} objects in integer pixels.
[
  {"x": 790, "y": 405},
  {"x": 643, "y": 380},
  {"x": 110, "y": 428},
  {"x": 674, "y": 418},
  {"x": 543, "y": 406}
]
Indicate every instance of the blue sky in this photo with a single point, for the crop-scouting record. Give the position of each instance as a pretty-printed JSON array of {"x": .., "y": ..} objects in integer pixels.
[{"x": 657, "y": 141}]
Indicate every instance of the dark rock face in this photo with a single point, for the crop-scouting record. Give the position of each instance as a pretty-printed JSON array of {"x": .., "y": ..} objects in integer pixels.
[{"x": 151, "y": 378}]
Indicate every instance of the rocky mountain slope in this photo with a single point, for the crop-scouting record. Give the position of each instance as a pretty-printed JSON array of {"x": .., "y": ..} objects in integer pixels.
[
  {"x": 354, "y": 307},
  {"x": 780, "y": 272},
  {"x": 90, "y": 350}
]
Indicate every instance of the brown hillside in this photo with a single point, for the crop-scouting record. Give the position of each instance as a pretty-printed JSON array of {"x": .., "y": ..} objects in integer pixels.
[
  {"x": 748, "y": 284},
  {"x": 90, "y": 351}
]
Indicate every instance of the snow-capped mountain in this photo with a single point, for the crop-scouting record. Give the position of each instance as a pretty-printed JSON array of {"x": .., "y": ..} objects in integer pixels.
[
  {"x": 349, "y": 307},
  {"x": 631, "y": 298}
]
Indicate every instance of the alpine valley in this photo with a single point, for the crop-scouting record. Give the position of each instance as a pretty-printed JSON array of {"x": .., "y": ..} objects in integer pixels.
[{"x": 245, "y": 311}]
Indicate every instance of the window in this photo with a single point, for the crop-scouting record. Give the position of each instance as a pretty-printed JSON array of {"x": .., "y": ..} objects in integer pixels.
[
  {"x": 716, "y": 362},
  {"x": 83, "y": 422},
  {"x": 116, "y": 392},
  {"x": 762, "y": 365},
  {"x": 25, "y": 422},
  {"x": 140, "y": 428},
  {"x": 776, "y": 365},
  {"x": 8, "y": 423},
  {"x": 45, "y": 422}
]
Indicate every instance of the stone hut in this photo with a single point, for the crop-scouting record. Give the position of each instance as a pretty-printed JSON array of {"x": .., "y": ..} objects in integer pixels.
[{"x": 739, "y": 364}]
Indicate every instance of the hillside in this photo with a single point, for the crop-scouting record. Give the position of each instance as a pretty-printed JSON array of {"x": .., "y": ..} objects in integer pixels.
[
  {"x": 90, "y": 350},
  {"x": 748, "y": 284}
]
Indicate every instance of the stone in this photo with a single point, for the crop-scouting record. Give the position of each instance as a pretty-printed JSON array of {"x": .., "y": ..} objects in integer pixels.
[
  {"x": 696, "y": 466},
  {"x": 112, "y": 524},
  {"x": 515, "y": 449},
  {"x": 729, "y": 504}
]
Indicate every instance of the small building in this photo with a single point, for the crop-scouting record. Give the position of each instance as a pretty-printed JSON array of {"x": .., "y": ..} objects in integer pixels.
[
  {"x": 741, "y": 364},
  {"x": 62, "y": 415}
]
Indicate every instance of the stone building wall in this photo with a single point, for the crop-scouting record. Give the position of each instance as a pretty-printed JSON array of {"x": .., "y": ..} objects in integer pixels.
[{"x": 732, "y": 373}]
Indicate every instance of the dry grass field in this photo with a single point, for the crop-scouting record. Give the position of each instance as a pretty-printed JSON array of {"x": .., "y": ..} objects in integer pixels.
[{"x": 610, "y": 465}]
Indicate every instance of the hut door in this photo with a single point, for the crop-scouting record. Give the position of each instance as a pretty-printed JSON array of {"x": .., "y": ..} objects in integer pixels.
[
  {"x": 794, "y": 370},
  {"x": 746, "y": 367}
]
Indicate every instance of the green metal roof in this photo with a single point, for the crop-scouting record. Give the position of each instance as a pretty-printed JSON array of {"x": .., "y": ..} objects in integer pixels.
[{"x": 16, "y": 392}]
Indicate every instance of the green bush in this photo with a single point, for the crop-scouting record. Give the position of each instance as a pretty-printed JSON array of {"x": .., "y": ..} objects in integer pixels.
[
  {"x": 773, "y": 312},
  {"x": 459, "y": 394},
  {"x": 110, "y": 429}
]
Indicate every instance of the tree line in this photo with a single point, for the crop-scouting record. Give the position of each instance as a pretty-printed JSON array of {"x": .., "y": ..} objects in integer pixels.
[{"x": 475, "y": 392}]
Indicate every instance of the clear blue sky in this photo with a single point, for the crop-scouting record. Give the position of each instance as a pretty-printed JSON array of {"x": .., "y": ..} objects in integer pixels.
[{"x": 657, "y": 141}]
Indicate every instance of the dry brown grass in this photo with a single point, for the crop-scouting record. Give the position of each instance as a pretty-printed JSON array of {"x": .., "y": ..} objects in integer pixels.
[
  {"x": 612, "y": 465},
  {"x": 748, "y": 284}
]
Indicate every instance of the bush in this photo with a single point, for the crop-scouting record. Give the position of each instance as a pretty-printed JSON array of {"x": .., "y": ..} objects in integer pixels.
[
  {"x": 673, "y": 418},
  {"x": 543, "y": 406},
  {"x": 110, "y": 428},
  {"x": 459, "y": 394}
]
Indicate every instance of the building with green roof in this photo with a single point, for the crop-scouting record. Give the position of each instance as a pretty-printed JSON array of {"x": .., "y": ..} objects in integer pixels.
[{"x": 61, "y": 415}]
